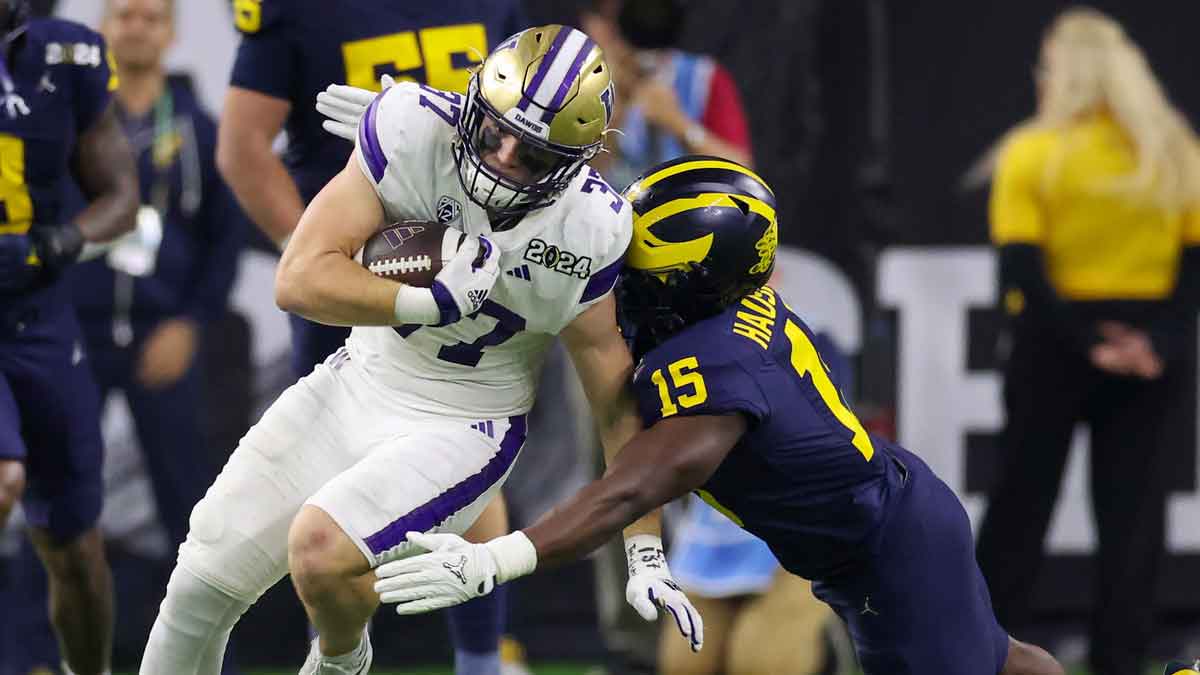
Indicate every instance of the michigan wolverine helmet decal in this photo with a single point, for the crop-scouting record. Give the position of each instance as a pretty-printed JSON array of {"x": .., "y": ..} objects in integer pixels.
[
  {"x": 704, "y": 236},
  {"x": 550, "y": 87}
]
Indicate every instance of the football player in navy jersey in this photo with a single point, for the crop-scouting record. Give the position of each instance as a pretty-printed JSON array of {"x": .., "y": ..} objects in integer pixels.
[
  {"x": 290, "y": 51},
  {"x": 56, "y": 120},
  {"x": 740, "y": 407}
]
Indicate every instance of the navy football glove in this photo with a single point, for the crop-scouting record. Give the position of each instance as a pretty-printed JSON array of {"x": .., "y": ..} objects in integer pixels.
[
  {"x": 58, "y": 246},
  {"x": 16, "y": 272}
]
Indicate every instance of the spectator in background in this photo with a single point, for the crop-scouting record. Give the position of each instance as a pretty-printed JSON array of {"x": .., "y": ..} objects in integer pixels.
[
  {"x": 678, "y": 103},
  {"x": 144, "y": 306},
  {"x": 1095, "y": 209}
]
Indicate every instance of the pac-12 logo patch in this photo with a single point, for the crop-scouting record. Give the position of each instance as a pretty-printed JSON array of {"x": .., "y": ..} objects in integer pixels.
[{"x": 448, "y": 210}]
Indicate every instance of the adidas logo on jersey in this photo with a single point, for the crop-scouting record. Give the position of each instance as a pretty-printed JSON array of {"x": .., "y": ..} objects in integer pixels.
[
  {"x": 476, "y": 297},
  {"x": 521, "y": 272}
]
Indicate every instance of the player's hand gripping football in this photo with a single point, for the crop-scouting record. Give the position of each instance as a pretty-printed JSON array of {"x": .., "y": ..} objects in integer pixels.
[
  {"x": 344, "y": 106},
  {"x": 467, "y": 278},
  {"x": 651, "y": 586}
]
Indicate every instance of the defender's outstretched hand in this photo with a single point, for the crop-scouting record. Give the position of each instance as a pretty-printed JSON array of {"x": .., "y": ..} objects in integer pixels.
[
  {"x": 651, "y": 586},
  {"x": 344, "y": 106}
]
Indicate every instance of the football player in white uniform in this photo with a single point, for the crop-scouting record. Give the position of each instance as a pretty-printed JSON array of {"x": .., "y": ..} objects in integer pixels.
[{"x": 416, "y": 422}]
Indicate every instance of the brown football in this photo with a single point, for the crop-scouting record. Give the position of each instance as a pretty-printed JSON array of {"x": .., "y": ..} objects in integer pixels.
[{"x": 410, "y": 252}]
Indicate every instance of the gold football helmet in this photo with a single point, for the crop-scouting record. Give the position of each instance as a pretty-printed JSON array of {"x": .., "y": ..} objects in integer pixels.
[{"x": 550, "y": 87}]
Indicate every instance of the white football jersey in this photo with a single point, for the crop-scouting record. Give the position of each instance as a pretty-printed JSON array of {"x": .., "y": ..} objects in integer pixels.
[{"x": 555, "y": 263}]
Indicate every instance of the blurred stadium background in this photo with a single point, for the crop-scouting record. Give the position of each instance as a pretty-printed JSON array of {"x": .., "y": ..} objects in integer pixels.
[{"x": 865, "y": 115}]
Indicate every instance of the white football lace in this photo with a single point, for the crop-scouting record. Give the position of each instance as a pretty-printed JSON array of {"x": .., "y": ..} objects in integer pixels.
[{"x": 401, "y": 265}]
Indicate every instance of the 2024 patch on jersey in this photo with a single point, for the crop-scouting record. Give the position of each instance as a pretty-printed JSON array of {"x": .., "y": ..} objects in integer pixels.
[{"x": 555, "y": 263}]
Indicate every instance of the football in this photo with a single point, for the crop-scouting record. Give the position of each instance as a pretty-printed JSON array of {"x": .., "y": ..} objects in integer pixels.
[{"x": 411, "y": 251}]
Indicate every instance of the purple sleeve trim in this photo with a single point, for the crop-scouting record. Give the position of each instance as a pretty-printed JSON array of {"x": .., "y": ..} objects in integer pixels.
[
  {"x": 602, "y": 281},
  {"x": 368, "y": 141}
]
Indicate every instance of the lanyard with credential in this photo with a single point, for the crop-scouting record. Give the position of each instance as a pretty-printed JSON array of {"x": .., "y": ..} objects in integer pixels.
[{"x": 163, "y": 150}]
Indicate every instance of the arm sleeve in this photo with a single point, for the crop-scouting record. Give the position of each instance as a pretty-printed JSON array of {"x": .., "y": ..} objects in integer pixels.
[
  {"x": 267, "y": 57},
  {"x": 1170, "y": 332},
  {"x": 1015, "y": 209},
  {"x": 1023, "y": 269},
  {"x": 397, "y": 131},
  {"x": 608, "y": 268},
  {"x": 96, "y": 85},
  {"x": 1018, "y": 228},
  {"x": 724, "y": 114},
  {"x": 221, "y": 229},
  {"x": 673, "y": 383}
]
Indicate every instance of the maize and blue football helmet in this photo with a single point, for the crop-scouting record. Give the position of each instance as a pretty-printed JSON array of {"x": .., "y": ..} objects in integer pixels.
[
  {"x": 704, "y": 236},
  {"x": 550, "y": 87}
]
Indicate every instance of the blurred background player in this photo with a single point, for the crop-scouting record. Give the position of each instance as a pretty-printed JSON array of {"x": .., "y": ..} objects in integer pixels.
[
  {"x": 143, "y": 308},
  {"x": 1095, "y": 208},
  {"x": 56, "y": 121},
  {"x": 289, "y": 52}
]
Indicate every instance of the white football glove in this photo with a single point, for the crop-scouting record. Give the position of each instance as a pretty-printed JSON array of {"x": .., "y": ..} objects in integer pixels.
[
  {"x": 651, "y": 586},
  {"x": 344, "y": 106},
  {"x": 453, "y": 572},
  {"x": 467, "y": 277}
]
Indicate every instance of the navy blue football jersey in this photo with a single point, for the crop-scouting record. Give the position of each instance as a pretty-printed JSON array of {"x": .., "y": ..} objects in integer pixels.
[
  {"x": 63, "y": 73},
  {"x": 806, "y": 477},
  {"x": 293, "y": 49}
]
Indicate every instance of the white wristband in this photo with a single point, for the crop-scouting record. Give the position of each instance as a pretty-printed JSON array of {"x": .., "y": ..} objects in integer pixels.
[
  {"x": 415, "y": 305},
  {"x": 644, "y": 552},
  {"x": 514, "y": 554}
]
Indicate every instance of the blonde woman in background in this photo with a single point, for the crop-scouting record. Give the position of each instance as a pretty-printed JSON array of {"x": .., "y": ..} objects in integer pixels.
[{"x": 1094, "y": 212}]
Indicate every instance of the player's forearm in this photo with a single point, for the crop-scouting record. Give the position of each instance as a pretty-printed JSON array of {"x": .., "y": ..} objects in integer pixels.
[
  {"x": 261, "y": 183},
  {"x": 331, "y": 288},
  {"x": 104, "y": 168},
  {"x": 602, "y": 509},
  {"x": 621, "y": 429}
]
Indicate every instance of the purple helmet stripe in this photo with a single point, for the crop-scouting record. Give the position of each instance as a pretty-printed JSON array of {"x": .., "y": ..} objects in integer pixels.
[
  {"x": 435, "y": 511},
  {"x": 565, "y": 86},
  {"x": 368, "y": 141},
  {"x": 544, "y": 67},
  {"x": 602, "y": 281}
]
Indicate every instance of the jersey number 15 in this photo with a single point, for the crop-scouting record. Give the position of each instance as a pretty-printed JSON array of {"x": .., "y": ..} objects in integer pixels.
[{"x": 687, "y": 388}]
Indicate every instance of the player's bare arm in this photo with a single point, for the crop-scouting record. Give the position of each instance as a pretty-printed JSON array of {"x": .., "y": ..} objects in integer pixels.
[
  {"x": 668, "y": 460},
  {"x": 605, "y": 368},
  {"x": 317, "y": 276},
  {"x": 319, "y": 279},
  {"x": 250, "y": 121},
  {"x": 103, "y": 165}
]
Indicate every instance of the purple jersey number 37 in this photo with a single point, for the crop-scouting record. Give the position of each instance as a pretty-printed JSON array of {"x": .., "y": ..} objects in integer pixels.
[{"x": 595, "y": 183}]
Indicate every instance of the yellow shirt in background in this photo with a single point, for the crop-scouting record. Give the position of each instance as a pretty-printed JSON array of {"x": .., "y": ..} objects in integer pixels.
[{"x": 1097, "y": 245}]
